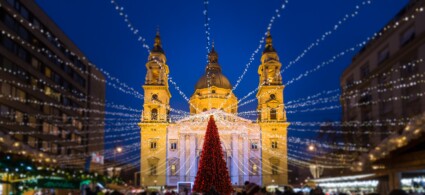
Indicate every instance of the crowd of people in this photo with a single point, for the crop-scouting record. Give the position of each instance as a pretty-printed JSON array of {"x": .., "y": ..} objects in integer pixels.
[{"x": 248, "y": 189}]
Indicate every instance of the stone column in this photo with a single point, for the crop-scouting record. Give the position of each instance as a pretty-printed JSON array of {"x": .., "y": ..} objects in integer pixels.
[
  {"x": 182, "y": 155},
  {"x": 192, "y": 154},
  {"x": 246, "y": 157},
  {"x": 234, "y": 174},
  {"x": 394, "y": 180},
  {"x": 150, "y": 76}
]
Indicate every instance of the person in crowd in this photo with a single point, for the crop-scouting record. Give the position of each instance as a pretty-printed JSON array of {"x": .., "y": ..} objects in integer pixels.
[
  {"x": 398, "y": 192},
  {"x": 212, "y": 191},
  {"x": 252, "y": 189},
  {"x": 317, "y": 191}
]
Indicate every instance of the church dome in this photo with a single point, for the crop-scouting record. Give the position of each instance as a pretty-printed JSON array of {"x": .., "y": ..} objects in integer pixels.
[
  {"x": 216, "y": 79},
  {"x": 213, "y": 75}
]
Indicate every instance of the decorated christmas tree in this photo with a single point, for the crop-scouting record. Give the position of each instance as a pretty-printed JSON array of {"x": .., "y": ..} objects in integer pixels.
[{"x": 212, "y": 171}]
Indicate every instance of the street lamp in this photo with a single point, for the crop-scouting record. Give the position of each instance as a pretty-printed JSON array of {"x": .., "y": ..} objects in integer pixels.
[
  {"x": 311, "y": 147},
  {"x": 316, "y": 168},
  {"x": 117, "y": 150}
]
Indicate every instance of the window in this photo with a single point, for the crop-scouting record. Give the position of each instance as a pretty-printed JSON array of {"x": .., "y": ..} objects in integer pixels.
[
  {"x": 350, "y": 81},
  {"x": 45, "y": 146},
  {"x": 274, "y": 144},
  {"x": 275, "y": 170},
  {"x": 5, "y": 89},
  {"x": 32, "y": 121},
  {"x": 407, "y": 36},
  {"x": 54, "y": 148},
  {"x": 153, "y": 144},
  {"x": 155, "y": 97},
  {"x": 254, "y": 145},
  {"x": 64, "y": 134},
  {"x": 46, "y": 127},
  {"x": 274, "y": 129},
  {"x": 272, "y": 96},
  {"x": 153, "y": 170},
  {"x": 154, "y": 114},
  {"x": 173, "y": 169},
  {"x": 273, "y": 114},
  {"x": 32, "y": 141},
  {"x": 153, "y": 129},
  {"x": 383, "y": 55},
  {"x": 364, "y": 71},
  {"x": 213, "y": 91},
  {"x": 173, "y": 145},
  {"x": 19, "y": 117},
  {"x": 254, "y": 169},
  {"x": 21, "y": 94},
  {"x": 204, "y": 110}
]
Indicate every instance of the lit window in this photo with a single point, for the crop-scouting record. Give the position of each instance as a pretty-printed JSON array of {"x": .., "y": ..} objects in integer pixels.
[
  {"x": 32, "y": 121},
  {"x": 19, "y": 117},
  {"x": 173, "y": 169},
  {"x": 254, "y": 169},
  {"x": 48, "y": 72}
]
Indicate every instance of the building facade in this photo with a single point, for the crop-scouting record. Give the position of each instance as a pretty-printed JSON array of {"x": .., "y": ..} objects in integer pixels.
[
  {"x": 253, "y": 151},
  {"x": 51, "y": 96},
  {"x": 383, "y": 86}
]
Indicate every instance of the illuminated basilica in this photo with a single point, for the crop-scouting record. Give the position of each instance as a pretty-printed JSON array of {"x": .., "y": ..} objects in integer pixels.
[{"x": 254, "y": 151}]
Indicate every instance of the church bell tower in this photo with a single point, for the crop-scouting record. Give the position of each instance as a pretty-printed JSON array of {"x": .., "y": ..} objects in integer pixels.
[
  {"x": 272, "y": 118},
  {"x": 155, "y": 118}
]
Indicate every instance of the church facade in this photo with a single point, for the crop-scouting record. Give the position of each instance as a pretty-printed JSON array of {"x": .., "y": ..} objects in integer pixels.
[{"x": 254, "y": 151}]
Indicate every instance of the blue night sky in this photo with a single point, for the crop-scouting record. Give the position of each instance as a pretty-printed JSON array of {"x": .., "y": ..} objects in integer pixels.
[{"x": 236, "y": 26}]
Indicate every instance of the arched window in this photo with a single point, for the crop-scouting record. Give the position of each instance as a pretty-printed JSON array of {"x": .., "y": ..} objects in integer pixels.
[
  {"x": 275, "y": 170},
  {"x": 272, "y": 96},
  {"x": 254, "y": 169},
  {"x": 154, "y": 114},
  {"x": 273, "y": 114}
]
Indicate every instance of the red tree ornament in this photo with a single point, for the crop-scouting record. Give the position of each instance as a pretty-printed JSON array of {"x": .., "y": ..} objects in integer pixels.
[{"x": 212, "y": 171}]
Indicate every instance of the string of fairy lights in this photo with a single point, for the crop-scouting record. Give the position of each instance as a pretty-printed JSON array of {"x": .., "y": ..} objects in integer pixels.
[
  {"x": 319, "y": 98},
  {"x": 382, "y": 87},
  {"x": 112, "y": 81},
  {"x": 395, "y": 24},
  {"x": 323, "y": 37},
  {"x": 305, "y": 51},
  {"x": 276, "y": 15}
]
